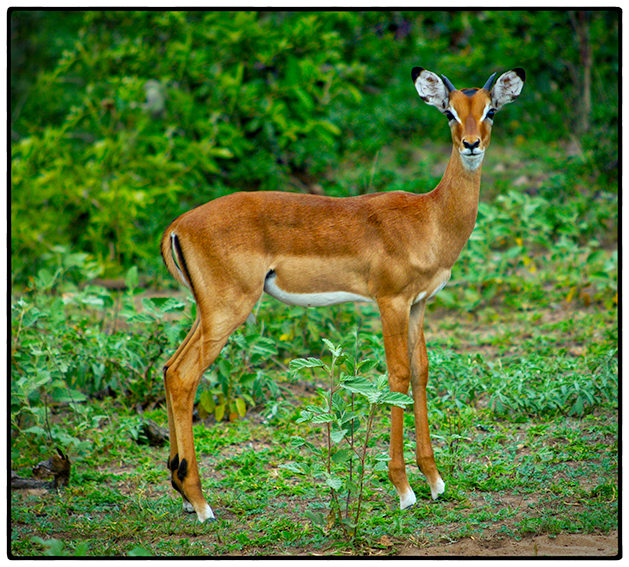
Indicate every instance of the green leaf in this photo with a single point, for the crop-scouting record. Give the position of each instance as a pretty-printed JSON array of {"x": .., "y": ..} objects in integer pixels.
[
  {"x": 132, "y": 279},
  {"x": 395, "y": 399},
  {"x": 338, "y": 435},
  {"x": 52, "y": 547},
  {"x": 335, "y": 350},
  {"x": 45, "y": 279},
  {"x": 306, "y": 416},
  {"x": 219, "y": 412},
  {"x": 293, "y": 467},
  {"x": 305, "y": 98},
  {"x": 67, "y": 396},
  {"x": 36, "y": 430},
  {"x": 334, "y": 482},
  {"x": 241, "y": 407},
  {"x": 300, "y": 363},
  {"x": 139, "y": 551},
  {"x": 330, "y": 127},
  {"x": 363, "y": 387},
  {"x": 322, "y": 418},
  {"x": 206, "y": 400},
  {"x": 164, "y": 304},
  {"x": 93, "y": 300},
  {"x": 342, "y": 456},
  {"x": 263, "y": 346},
  {"x": 367, "y": 364},
  {"x": 317, "y": 518},
  {"x": 221, "y": 152}
]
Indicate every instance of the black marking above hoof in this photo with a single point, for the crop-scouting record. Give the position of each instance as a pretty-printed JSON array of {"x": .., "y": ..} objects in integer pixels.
[
  {"x": 182, "y": 471},
  {"x": 174, "y": 485},
  {"x": 173, "y": 464}
]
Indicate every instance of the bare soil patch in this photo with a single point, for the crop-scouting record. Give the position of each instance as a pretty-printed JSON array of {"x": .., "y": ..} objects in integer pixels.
[{"x": 563, "y": 545}]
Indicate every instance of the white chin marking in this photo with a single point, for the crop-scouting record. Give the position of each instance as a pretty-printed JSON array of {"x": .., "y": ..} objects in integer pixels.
[
  {"x": 439, "y": 488},
  {"x": 407, "y": 500},
  {"x": 309, "y": 299},
  {"x": 472, "y": 163}
]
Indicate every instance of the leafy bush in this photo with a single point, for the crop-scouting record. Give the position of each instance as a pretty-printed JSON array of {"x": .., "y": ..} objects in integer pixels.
[
  {"x": 520, "y": 388},
  {"x": 137, "y": 116},
  {"x": 236, "y": 382},
  {"x": 237, "y": 100}
]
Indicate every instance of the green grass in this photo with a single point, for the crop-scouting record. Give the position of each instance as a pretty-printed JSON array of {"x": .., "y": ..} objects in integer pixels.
[
  {"x": 508, "y": 475},
  {"x": 505, "y": 483}
]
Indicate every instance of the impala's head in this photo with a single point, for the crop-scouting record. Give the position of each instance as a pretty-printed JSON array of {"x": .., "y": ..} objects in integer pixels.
[{"x": 470, "y": 112}]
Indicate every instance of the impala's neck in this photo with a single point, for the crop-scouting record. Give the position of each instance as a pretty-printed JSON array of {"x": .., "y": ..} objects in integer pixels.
[{"x": 457, "y": 196}]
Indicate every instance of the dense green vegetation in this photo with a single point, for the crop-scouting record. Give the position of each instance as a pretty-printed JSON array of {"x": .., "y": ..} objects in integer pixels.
[
  {"x": 135, "y": 117},
  {"x": 120, "y": 121}
]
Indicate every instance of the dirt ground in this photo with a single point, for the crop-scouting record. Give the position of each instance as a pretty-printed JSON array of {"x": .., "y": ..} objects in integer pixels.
[{"x": 564, "y": 545}]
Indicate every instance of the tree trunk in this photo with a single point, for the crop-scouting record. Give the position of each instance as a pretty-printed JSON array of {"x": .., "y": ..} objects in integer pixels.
[{"x": 580, "y": 24}]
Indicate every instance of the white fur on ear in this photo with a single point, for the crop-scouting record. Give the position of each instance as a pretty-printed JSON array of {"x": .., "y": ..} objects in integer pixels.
[
  {"x": 430, "y": 88},
  {"x": 508, "y": 87}
]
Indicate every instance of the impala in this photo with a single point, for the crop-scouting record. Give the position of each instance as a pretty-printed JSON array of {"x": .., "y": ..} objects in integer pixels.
[{"x": 395, "y": 249}]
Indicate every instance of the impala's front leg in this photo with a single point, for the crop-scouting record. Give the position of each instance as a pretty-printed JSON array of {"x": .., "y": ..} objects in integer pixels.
[
  {"x": 395, "y": 320},
  {"x": 419, "y": 376}
]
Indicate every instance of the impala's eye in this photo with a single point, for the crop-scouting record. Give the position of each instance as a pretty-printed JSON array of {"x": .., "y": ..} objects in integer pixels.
[
  {"x": 490, "y": 113},
  {"x": 449, "y": 115}
]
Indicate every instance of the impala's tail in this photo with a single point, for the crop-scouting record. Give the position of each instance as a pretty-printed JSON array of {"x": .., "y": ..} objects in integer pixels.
[{"x": 173, "y": 256}]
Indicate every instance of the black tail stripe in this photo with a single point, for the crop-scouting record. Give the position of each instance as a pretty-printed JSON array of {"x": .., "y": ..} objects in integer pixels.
[{"x": 182, "y": 261}]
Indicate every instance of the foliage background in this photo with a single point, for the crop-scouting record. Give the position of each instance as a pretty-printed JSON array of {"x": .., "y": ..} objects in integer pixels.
[{"x": 120, "y": 121}]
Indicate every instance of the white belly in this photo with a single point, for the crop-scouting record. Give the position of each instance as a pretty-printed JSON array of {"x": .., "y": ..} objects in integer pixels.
[{"x": 309, "y": 299}]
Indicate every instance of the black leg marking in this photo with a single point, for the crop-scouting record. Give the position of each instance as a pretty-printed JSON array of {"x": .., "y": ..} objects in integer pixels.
[
  {"x": 176, "y": 487},
  {"x": 182, "y": 472},
  {"x": 173, "y": 464}
]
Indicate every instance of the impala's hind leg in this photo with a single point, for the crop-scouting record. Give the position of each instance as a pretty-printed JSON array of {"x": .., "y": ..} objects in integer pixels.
[
  {"x": 173, "y": 457},
  {"x": 215, "y": 323}
]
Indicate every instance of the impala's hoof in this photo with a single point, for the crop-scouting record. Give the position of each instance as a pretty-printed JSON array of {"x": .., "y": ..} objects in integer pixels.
[
  {"x": 206, "y": 514},
  {"x": 438, "y": 489},
  {"x": 407, "y": 500}
]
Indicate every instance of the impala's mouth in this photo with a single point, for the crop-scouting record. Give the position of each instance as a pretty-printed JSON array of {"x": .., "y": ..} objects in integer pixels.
[
  {"x": 472, "y": 152},
  {"x": 472, "y": 158}
]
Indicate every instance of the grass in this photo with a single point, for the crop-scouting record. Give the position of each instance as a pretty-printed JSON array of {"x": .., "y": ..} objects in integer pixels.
[
  {"x": 508, "y": 476},
  {"x": 262, "y": 510}
]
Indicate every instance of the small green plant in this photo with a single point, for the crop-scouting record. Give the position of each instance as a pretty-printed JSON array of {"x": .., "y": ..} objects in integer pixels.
[
  {"x": 57, "y": 548},
  {"x": 234, "y": 385},
  {"x": 346, "y": 410}
]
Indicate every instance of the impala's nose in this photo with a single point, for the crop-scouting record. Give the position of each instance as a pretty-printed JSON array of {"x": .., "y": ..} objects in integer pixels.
[{"x": 471, "y": 146}]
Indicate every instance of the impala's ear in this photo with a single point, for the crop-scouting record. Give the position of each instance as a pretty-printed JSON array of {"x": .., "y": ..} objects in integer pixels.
[
  {"x": 432, "y": 90},
  {"x": 508, "y": 87}
]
